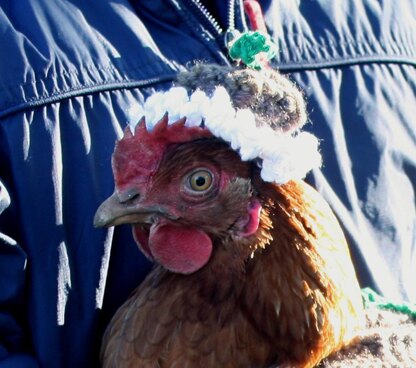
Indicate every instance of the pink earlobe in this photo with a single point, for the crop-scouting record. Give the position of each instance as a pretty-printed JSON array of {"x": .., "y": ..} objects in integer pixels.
[{"x": 253, "y": 219}]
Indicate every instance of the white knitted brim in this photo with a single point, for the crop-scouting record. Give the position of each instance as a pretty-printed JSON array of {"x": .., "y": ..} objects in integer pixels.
[{"x": 282, "y": 156}]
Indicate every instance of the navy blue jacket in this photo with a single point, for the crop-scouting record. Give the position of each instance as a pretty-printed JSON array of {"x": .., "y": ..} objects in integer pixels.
[{"x": 70, "y": 72}]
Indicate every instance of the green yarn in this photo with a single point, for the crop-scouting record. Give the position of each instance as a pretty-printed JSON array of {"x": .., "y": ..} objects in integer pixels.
[
  {"x": 372, "y": 299},
  {"x": 249, "y": 45}
]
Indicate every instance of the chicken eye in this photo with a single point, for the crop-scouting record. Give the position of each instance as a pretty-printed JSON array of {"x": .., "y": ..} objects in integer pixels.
[{"x": 200, "y": 180}]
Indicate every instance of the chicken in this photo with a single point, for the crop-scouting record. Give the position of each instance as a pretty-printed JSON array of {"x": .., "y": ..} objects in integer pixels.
[{"x": 248, "y": 273}]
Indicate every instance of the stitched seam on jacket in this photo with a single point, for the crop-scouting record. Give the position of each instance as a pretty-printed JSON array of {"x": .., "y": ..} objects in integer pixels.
[
  {"x": 82, "y": 90},
  {"x": 70, "y": 73},
  {"x": 342, "y": 62}
]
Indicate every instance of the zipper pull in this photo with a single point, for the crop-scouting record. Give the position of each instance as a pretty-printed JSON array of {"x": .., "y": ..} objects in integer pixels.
[{"x": 253, "y": 48}]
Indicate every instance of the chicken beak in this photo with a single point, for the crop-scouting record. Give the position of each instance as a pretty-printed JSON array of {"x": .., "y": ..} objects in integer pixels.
[{"x": 113, "y": 212}]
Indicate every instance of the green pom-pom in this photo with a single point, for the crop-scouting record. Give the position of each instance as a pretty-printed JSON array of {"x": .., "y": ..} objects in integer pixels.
[
  {"x": 372, "y": 299},
  {"x": 249, "y": 46}
]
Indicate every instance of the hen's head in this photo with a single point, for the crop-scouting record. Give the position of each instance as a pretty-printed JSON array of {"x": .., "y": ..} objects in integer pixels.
[
  {"x": 182, "y": 185},
  {"x": 181, "y": 189}
]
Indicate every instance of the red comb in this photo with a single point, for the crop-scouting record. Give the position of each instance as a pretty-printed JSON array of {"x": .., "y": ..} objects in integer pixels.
[{"x": 137, "y": 156}]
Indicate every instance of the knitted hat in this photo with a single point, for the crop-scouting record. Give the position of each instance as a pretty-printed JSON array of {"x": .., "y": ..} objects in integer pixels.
[{"x": 259, "y": 113}]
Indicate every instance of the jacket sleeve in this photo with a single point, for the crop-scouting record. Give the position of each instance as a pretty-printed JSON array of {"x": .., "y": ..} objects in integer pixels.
[{"x": 13, "y": 263}]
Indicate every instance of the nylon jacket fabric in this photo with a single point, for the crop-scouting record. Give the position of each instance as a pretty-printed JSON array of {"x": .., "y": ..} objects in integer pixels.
[{"x": 70, "y": 73}]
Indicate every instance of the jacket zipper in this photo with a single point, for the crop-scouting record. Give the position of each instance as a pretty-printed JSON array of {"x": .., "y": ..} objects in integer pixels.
[
  {"x": 235, "y": 13},
  {"x": 205, "y": 17}
]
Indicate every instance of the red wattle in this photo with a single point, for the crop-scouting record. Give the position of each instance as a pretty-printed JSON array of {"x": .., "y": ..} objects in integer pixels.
[
  {"x": 179, "y": 249},
  {"x": 141, "y": 236}
]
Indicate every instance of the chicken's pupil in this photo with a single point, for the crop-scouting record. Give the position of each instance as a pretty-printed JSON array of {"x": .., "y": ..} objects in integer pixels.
[{"x": 200, "y": 181}]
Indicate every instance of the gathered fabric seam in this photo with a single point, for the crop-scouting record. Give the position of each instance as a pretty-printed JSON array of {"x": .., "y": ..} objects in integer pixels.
[{"x": 83, "y": 90}]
